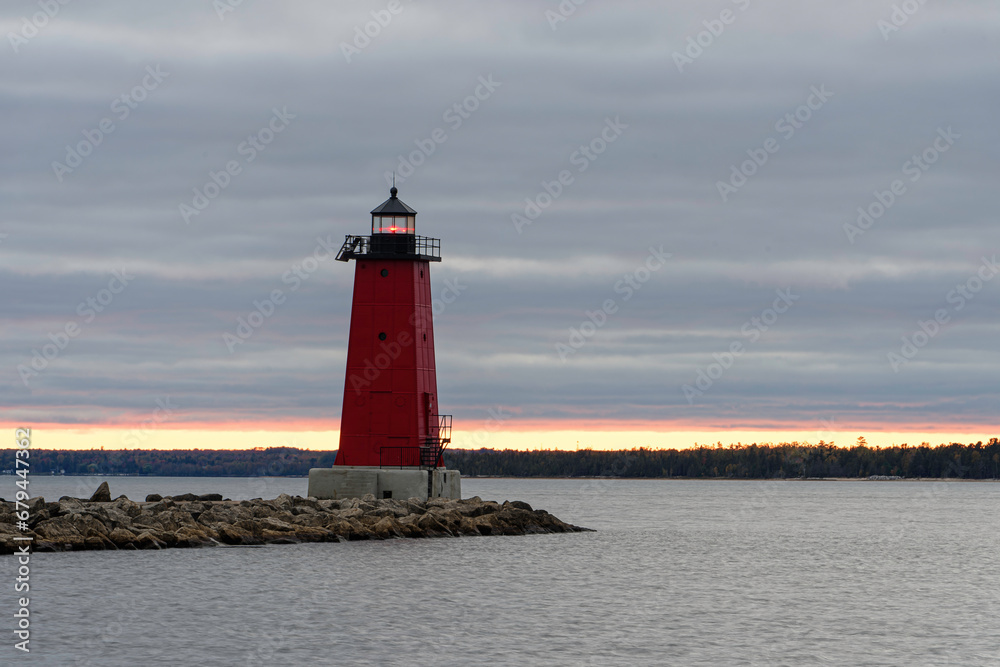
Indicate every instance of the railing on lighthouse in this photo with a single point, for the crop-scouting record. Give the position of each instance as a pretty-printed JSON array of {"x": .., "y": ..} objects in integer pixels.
[
  {"x": 418, "y": 247},
  {"x": 394, "y": 235},
  {"x": 427, "y": 453}
]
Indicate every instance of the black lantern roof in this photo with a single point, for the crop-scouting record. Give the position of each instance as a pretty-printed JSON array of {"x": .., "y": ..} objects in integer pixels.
[{"x": 393, "y": 206}]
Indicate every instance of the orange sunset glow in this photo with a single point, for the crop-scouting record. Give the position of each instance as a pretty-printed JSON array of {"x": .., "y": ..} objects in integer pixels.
[{"x": 320, "y": 436}]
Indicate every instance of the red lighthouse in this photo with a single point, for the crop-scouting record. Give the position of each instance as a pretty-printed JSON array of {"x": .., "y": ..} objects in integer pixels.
[{"x": 390, "y": 418}]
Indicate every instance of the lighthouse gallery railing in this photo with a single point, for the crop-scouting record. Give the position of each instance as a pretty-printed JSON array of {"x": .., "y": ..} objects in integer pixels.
[{"x": 390, "y": 245}]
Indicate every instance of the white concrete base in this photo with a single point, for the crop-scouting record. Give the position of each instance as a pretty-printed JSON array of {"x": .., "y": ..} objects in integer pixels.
[
  {"x": 446, "y": 484},
  {"x": 357, "y": 481}
]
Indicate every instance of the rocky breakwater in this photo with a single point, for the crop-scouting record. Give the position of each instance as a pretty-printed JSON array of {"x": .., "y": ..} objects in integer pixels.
[{"x": 197, "y": 521}]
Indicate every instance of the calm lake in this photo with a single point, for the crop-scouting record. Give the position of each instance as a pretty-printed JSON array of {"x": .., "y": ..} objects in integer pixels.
[{"x": 678, "y": 573}]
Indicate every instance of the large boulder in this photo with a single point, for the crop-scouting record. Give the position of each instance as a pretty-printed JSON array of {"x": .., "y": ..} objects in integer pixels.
[
  {"x": 387, "y": 527},
  {"x": 284, "y": 503},
  {"x": 271, "y": 523},
  {"x": 235, "y": 535},
  {"x": 125, "y": 506},
  {"x": 161, "y": 505},
  {"x": 95, "y": 543},
  {"x": 57, "y": 527},
  {"x": 35, "y": 504},
  {"x": 431, "y": 526},
  {"x": 517, "y": 504},
  {"x": 69, "y": 505},
  {"x": 102, "y": 495},
  {"x": 36, "y": 518},
  {"x": 123, "y": 538},
  {"x": 195, "y": 536},
  {"x": 146, "y": 540}
]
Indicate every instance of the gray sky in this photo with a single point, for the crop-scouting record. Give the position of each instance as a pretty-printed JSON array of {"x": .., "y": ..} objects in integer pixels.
[{"x": 830, "y": 98}]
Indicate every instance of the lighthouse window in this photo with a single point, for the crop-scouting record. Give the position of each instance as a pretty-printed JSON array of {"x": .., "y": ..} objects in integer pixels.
[
  {"x": 385, "y": 272},
  {"x": 389, "y": 224},
  {"x": 382, "y": 336},
  {"x": 425, "y": 336}
]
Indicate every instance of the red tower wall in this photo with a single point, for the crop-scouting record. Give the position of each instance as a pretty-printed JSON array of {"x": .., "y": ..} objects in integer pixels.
[{"x": 390, "y": 391}]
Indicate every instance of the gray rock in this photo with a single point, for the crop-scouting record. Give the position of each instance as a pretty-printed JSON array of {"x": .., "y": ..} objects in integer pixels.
[
  {"x": 284, "y": 502},
  {"x": 161, "y": 505},
  {"x": 154, "y": 498},
  {"x": 68, "y": 505},
  {"x": 35, "y": 504},
  {"x": 35, "y": 518},
  {"x": 72, "y": 524},
  {"x": 102, "y": 495}
]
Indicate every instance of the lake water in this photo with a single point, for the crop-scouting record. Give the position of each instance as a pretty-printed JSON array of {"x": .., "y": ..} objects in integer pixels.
[{"x": 678, "y": 573}]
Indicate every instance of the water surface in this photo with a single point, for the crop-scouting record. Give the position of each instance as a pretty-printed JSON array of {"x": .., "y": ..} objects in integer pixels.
[{"x": 678, "y": 573}]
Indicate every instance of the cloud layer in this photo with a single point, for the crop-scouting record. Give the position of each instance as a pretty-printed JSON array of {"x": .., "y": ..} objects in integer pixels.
[{"x": 212, "y": 156}]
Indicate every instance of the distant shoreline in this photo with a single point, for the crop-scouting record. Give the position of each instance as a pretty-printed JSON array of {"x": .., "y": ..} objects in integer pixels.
[
  {"x": 751, "y": 479},
  {"x": 979, "y": 461},
  {"x": 587, "y": 477}
]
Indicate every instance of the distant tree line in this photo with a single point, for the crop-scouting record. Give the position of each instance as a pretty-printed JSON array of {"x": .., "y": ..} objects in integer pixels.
[
  {"x": 260, "y": 462},
  {"x": 767, "y": 461},
  {"x": 782, "y": 461}
]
